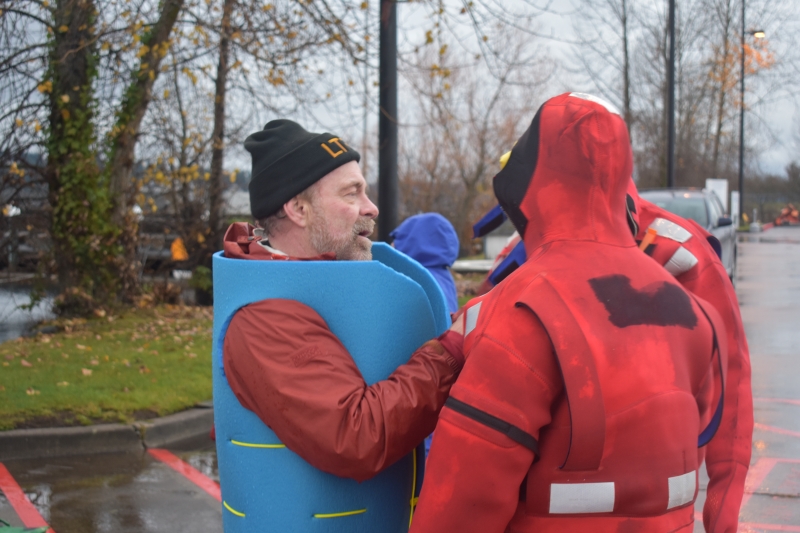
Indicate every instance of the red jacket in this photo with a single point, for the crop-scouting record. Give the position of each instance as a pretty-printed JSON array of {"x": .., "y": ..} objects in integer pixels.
[
  {"x": 284, "y": 364},
  {"x": 590, "y": 372},
  {"x": 700, "y": 271}
]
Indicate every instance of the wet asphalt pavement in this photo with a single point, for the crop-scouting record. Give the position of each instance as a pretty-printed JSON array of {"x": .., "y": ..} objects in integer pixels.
[
  {"x": 142, "y": 494},
  {"x": 119, "y": 493}
]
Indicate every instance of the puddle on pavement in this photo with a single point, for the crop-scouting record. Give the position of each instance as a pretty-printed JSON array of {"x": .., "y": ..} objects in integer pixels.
[
  {"x": 118, "y": 493},
  {"x": 14, "y": 321}
]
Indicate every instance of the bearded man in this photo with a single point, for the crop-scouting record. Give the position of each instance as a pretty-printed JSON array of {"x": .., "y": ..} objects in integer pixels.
[{"x": 281, "y": 360}]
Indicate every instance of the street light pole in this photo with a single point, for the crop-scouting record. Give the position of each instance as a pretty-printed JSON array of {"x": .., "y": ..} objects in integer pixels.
[
  {"x": 387, "y": 121},
  {"x": 671, "y": 99},
  {"x": 741, "y": 126},
  {"x": 758, "y": 34}
]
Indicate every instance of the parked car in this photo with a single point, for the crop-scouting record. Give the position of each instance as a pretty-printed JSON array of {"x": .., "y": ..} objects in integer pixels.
[{"x": 705, "y": 208}]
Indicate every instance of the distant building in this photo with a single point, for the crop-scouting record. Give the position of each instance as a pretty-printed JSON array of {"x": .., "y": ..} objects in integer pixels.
[
  {"x": 494, "y": 243},
  {"x": 236, "y": 203}
]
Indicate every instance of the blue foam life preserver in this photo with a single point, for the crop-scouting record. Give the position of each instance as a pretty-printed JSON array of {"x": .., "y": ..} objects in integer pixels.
[{"x": 267, "y": 487}]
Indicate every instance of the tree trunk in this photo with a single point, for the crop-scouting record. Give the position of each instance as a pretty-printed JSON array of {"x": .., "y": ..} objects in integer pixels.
[
  {"x": 723, "y": 89},
  {"x": 215, "y": 217},
  {"x": 76, "y": 193},
  {"x": 123, "y": 141}
]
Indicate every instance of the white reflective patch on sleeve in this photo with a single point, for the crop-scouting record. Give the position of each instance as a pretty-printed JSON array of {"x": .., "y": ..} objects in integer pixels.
[
  {"x": 670, "y": 230},
  {"x": 472, "y": 318},
  {"x": 681, "y": 489},
  {"x": 569, "y": 498},
  {"x": 592, "y": 98},
  {"x": 681, "y": 261}
]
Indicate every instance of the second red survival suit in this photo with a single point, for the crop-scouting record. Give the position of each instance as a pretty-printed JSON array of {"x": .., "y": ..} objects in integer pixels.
[
  {"x": 590, "y": 372},
  {"x": 684, "y": 248}
]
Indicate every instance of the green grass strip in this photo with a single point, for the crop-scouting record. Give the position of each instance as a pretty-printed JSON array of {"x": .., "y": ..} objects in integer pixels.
[{"x": 145, "y": 363}]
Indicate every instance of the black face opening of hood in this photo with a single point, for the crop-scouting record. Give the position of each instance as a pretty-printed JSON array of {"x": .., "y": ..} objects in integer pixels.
[{"x": 511, "y": 183}]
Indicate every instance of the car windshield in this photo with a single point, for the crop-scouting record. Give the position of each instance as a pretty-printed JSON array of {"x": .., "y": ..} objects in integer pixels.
[{"x": 691, "y": 207}]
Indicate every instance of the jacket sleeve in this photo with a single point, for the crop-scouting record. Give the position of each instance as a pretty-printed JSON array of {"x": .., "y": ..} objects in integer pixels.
[
  {"x": 474, "y": 471},
  {"x": 284, "y": 364},
  {"x": 728, "y": 453}
]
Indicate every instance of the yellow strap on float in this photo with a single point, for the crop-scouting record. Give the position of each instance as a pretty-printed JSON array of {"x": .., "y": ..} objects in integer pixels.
[
  {"x": 339, "y": 515},
  {"x": 232, "y": 510},
  {"x": 255, "y": 445},
  {"x": 414, "y": 497}
]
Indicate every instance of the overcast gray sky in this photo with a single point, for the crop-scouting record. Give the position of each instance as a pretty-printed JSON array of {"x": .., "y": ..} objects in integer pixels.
[{"x": 773, "y": 116}]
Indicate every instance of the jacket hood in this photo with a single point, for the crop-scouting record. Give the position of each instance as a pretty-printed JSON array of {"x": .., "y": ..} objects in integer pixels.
[
  {"x": 568, "y": 174},
  {"x": 429, "y": 238}
]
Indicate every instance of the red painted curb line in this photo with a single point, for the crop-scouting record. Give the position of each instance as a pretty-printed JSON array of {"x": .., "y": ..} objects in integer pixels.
[
  {"x": 749, "y": 527},
  {"x": 756, "y": 476},
  {"x": 27, "y": 513},
  {"x": 773, "y": 429},
  {"x": 777, "y": 400},
  {"x": 187, "y": 471}
]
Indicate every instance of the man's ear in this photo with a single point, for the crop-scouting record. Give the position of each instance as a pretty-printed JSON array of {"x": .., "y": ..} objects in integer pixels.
[{"x": 298, "y": 211}]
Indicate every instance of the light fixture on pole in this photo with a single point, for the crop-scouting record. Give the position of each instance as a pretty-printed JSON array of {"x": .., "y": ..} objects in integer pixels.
[{"x": 758, "y": 34}]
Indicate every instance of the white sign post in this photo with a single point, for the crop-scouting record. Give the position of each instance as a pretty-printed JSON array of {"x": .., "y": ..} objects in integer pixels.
[
  {"x": 720, "y": 188},
  {"x": 735, "y": 208}
]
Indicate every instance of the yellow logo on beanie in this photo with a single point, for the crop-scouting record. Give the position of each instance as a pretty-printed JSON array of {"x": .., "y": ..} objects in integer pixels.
[{"x": 336, "y": 141}]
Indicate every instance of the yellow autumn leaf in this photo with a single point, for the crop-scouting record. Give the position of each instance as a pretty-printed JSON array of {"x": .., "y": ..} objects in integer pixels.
[
  {"x": 45, "y": 87},
  {"x": 65, "y": 98},
  {"x": 65, "y": 114},
  {"x": 18, "y": 122},
  {"x": 63, "y": 28},
  {"x": 166, "y": 93},
  {"x": 86, "y": 371}
]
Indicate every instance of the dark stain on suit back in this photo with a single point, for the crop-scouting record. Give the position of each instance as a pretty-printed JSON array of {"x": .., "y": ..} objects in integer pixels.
[{"x": 657, "y": 304}]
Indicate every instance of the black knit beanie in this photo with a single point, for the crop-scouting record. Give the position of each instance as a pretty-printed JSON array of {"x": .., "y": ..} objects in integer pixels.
[{"x": 287, "y": 160}]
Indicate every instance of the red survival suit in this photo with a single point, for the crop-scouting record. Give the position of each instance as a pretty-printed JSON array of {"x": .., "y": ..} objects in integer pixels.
[
  {"x": 590, "y": 372},
  {"x": 684, "y": 248}
]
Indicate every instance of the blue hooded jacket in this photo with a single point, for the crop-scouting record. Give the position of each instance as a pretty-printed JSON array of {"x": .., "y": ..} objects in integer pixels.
[{"x": 432, "y": 241}]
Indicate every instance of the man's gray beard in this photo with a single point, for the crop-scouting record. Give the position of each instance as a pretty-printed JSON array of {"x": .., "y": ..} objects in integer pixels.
[{"x": 347, "y": 248}]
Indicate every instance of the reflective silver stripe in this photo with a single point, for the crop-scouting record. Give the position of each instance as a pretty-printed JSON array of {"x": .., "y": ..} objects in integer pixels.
[
  {"x": 472, "y": 318},
  {"x": 567, "y": 498},
  {"x": 670, "y": 230},
  {"x": 592, "y": 98},
  {"x": 681, "y": 489},
  {"x": 681, "y": 261}
]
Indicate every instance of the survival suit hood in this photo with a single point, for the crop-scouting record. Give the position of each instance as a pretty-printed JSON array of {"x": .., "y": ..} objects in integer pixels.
[{"x": 568, "y": 174}]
